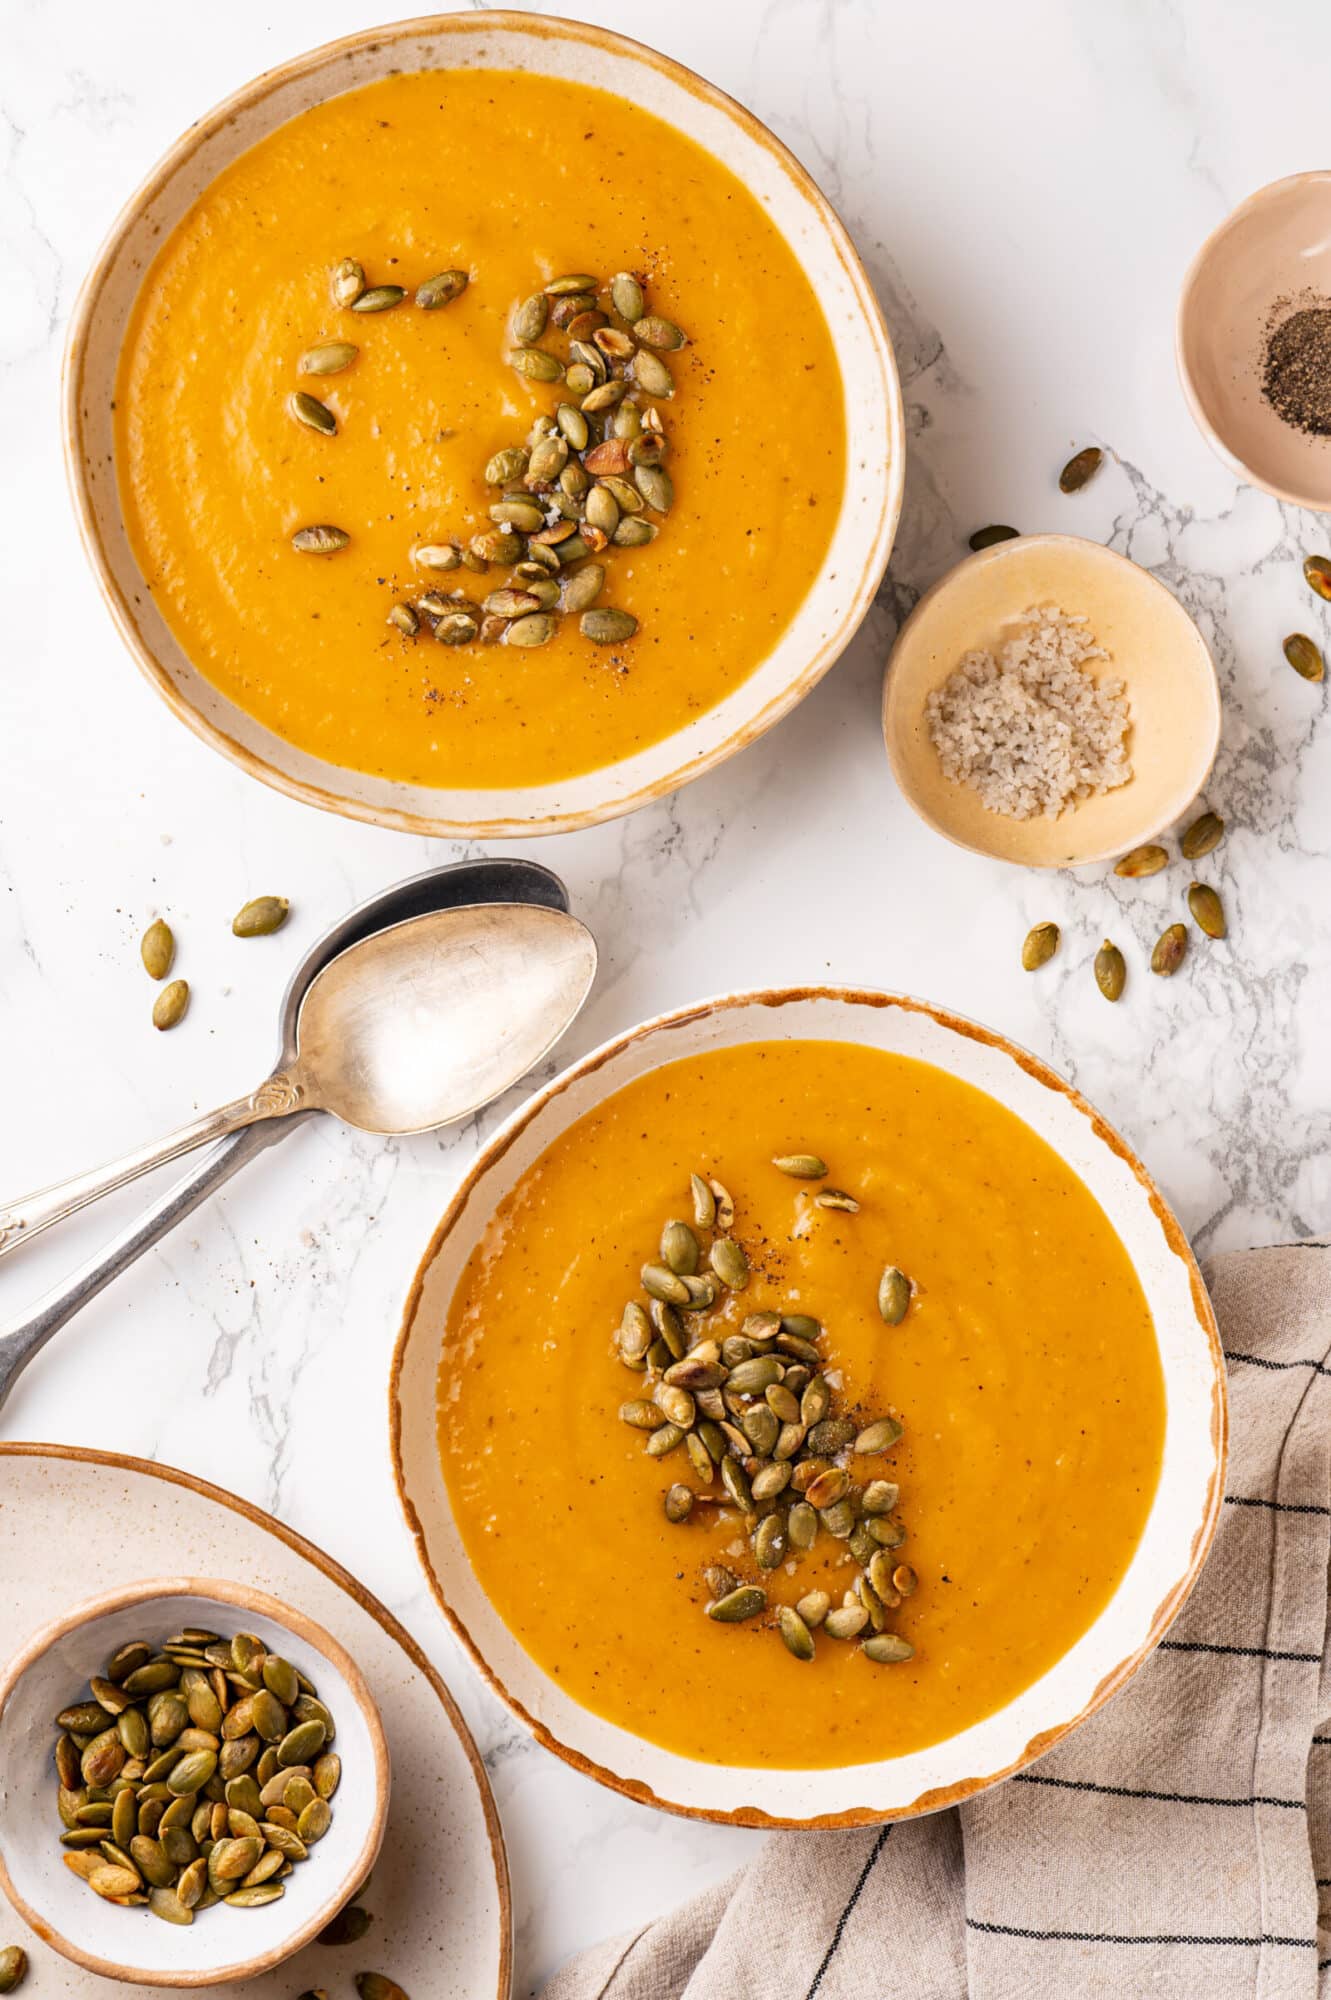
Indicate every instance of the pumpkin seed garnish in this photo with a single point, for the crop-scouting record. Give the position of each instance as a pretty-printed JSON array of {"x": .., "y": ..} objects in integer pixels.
[
  {"x": 893, "y": 1295},
  {"x": 836, "y": 1198},
  {"x": 260, "y": 917},
  {"x": 536, "y": 364},
  {"x": 746, "y": 1601},
  {"x": 1148, "y": 860},
  {"x": 530, "y": 318},
  {"x": 157, "y": 949},
  {"x": 801, "y": 1166},
  {"x": 1080, "y": 469},
  {"x": 606, "y": 627},
  {"x": 985, "y": 538},
  {"x": 1171, "y": 949},
  {"x": 329, "y": 358},
  {"x": 171, "y": 1004},
  {"x": 320, "y": 540},
  {"x": 581, "y": 589},
  {"x": 1304, "y": 656},
  {"x": 1207, "y": 910},
  {"x": 442, "y": 290},
  {"x": 347, "y": 282},
  {"x": 651, "y": 374},
  {"x": 795, "y": 1633},
  {"x": 1205, "y": 833},
  {"x": 1110, "y": 970},
  {"x": 13, "y": 1966},
  {"x": 626, "y": 295},
  {"x": 379, "y": 298},
  {"x": 727, "y": 1257},
  {"x": 887, "y": 1648},
  {"x": 1317, "y": 571},
  {"x": 571, "y": 282},
  {"x": 654, "y": 331}
]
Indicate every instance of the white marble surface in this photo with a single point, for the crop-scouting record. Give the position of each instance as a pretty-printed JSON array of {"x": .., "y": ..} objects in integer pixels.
[{"x": 1026, "y": 183}]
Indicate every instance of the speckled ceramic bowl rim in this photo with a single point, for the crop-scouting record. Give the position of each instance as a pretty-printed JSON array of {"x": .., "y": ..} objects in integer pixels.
[
  {"x": 309, "y": 1552},
  {"x": 1227, "y": 457},
  {"x": 891, "y": 721},
  {"x": 501, "y": 825},
  {"x": 1167, "y": 1609},
  {"x": 217, "y": 1590}
]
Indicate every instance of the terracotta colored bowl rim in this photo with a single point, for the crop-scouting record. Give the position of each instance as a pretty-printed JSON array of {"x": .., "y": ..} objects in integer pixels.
[
  {"x": 890, "y": 720},
  {"x": 1166, "y": 1611},
  {"x": 500, "y": 826},
  {"x": 1223, "y": 451},
  {"x": 243, "y": 1598}
]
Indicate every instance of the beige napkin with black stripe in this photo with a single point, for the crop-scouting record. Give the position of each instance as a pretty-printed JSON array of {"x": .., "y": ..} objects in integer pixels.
[{"x": 1178, "y": 1845}]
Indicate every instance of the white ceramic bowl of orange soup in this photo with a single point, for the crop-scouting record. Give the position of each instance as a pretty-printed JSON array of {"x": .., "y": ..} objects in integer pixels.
[
  {"x": 514, "y": 150},
  {"x": 1057, "y": 1376}
]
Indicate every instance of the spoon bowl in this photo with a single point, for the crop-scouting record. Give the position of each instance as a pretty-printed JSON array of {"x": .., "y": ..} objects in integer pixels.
[{"x": 420, "y": 1025}]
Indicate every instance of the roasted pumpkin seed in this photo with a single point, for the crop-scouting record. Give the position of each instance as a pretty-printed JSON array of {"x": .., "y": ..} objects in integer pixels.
[
  {"x": 801, "y": 1166},
  {"x": 260, "y": 917},
  {"x": 887, "y": 1649},
  {"x": 1304, "y": 656},
  {"x": 315, "y": 416},
  {"x": 322, "y": 539},
  {"x": 330, "y": 357},
  {"x": 1039, "y": 946},
  {"x": 157, "y": 949},
  {"x": 1317, "y": 572},
  {"x": 985, "y": 538},
  {"x": 1207, "y": 910},
  {"x": 378, "y": 298},
  {"x": 347, "y": 282},
  {"x": 678, "y": 1502},
  {"x": 536, "y": 364},
  {"x": 171, "y": 1004},
  {"x": 1080, "y": 469},
  {"x": 794, "y": 1632},
  {"x": 1171, "y": 948},
  {"x": 1147, "y": 860},
  {"x": 1111, "y": 972},
  {"x": 894, "y": 1290},
  {"x": 1205, "y": 833},
  {"x": 606, "y": 627},
  {"x": 626, "y": 295},
  {"x": 747, "y": 1601},
  {"x": 442, "y": 290}
]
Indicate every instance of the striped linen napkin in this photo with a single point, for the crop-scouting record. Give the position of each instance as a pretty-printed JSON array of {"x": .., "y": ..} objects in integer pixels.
[{"x": 1178, "y": 1845}]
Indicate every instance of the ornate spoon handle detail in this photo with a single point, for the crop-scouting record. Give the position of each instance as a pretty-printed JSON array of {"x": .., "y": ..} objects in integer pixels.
[{"x": 277, "y": 1097}]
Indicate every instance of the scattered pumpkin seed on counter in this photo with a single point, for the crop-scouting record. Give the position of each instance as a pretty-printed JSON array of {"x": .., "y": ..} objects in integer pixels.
[
  {"x": 1304, "y": 656},
  {"x": 1080, "y": 469},
  {"x": 194, "y": 1773},
  {"x": 260, "y": 917},
  {"x": 985, "y": 538},
  {"x": 1317, "y": 571},
  {"x": 171, "y": 1004},
  {"x": 1148, "y": 860},
  {"x": 1039, "y": 946},
  {"x": 13, "y": 1968},
  {"x": 755, "y": 1411},
  {"x": 1205, "y": 833},
  {"x": 1111, "y": 972},
  {"x": 1171, "y": 948},
  {"x": 157, "y": 949},
  {"x": 1207, "y": 910},
  {"x": 377, "y": 1986}
]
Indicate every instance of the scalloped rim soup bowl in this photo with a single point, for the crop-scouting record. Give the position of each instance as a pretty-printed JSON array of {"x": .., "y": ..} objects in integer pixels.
[
  {"x": 51, "y": 1671},
  {"x": 1159, "y": 1572},
  {"x": 866, "y": 516}
]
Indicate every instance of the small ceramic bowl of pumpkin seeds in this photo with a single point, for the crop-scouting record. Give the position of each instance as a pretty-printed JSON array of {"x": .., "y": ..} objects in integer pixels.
[{"x": 193, "y": 1782}]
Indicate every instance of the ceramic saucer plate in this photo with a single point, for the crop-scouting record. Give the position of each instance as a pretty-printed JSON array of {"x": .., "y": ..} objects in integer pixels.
[{"x": 75, "y": 1521}]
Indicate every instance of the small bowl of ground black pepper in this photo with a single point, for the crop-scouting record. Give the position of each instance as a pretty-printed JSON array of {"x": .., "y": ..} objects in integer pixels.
[{"x": 1254, "y": 339}]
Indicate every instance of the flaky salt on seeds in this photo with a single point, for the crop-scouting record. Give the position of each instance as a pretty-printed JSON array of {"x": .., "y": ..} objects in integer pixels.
[{"x": 1030, "y": 729}]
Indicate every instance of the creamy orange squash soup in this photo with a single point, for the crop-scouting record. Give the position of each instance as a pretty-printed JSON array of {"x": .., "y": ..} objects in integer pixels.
[
  {"x": 478, "y": 429},
  {"x": 799, "y": 1406}
]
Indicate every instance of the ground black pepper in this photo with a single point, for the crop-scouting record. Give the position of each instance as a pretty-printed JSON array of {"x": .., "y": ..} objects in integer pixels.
[{"x": 1296, "y": 378}]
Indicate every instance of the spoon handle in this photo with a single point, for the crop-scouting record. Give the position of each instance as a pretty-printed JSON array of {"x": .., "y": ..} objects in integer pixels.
[{"x": 276, "y": 1097}]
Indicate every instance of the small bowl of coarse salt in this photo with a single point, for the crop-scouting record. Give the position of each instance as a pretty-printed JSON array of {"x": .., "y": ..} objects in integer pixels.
[
  {"x": 1049, "y": 702},
  {"x": 1254, "y": 339}
]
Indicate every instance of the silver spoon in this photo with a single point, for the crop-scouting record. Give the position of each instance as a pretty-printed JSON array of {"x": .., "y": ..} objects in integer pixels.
[{"x": 438, "y": 891}]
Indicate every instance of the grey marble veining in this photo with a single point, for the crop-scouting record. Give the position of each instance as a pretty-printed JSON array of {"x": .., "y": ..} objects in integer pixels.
[{"x": 1026, "y": 185}]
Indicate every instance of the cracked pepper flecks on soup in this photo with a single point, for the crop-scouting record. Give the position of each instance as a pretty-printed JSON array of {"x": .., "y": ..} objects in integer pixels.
[
  {"x": 966, "y": 1289},
  {"x": 279, "y": 491}
]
